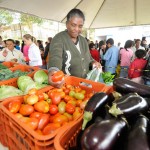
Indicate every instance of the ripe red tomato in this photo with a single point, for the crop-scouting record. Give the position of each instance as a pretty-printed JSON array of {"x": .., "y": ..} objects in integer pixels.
[
  {"x": 36, "y": 114},
  {"x": 14, "y": 106},
  {"x": 41, "y": 96},
  {"x": 56, "y": 98},
  {"x": 41, "y": 106},
  {"x": 53, "y": 109},
  {"x": 32, "y": 123},
  {"x": 43, "y": 121},
  {"x": 57, "y": 76},
  {"x": 70, "y": 108}
]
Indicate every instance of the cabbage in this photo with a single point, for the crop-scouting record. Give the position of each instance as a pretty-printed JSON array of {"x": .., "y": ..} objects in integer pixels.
[
  {"x": 39, "y": 86},
  {"x": 23, "y": 82},
  {"x": 9, "y": 91},
  {"x": 41, "y": 77}
]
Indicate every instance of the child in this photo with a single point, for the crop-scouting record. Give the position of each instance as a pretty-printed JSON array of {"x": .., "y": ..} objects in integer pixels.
[{"x": 136, "y": 67}]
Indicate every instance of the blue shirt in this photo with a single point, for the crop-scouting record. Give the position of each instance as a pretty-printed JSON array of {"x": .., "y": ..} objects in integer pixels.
[{"x": 111, "y": 59}]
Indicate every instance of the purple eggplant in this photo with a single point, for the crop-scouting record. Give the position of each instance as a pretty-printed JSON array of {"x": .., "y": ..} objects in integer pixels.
[
  {"x": 138, "y": 135},
  {"x": 97, "y": 101},
  {"x": 129, "y": 106},
  {"x": 102, "y": 135},
  {"x": 126, "y": 86}
]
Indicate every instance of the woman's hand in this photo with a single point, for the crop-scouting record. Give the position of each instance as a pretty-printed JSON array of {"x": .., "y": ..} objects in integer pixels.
[
  {"x": 54, "y": 84},
  {"x": 5, "y": 53}
]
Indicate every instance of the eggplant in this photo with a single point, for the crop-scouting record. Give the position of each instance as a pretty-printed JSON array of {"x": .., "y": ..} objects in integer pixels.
[
  {"x": 129, "y": 105},
  {"x": 138, "y": 135},
  {"x": 102, "y": 135},
  {"x": 97, "y": 101},
  {"x": 125, "y": 86}
]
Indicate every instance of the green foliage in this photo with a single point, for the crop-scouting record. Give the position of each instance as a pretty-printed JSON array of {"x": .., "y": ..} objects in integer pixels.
[{"x": 6, "y": 17}]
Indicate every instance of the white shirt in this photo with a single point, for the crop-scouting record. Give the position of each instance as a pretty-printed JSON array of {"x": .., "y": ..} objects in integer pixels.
[
  {"x": 34, "y": 56},
  {"x": 11, "y": 54}
]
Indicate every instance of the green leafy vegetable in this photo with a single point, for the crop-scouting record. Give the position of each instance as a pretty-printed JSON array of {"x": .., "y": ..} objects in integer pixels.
[
  {"x": 107, "y": 77},
  {"x": 9, "y": 91},
  {"x": 41, "y": 77}
]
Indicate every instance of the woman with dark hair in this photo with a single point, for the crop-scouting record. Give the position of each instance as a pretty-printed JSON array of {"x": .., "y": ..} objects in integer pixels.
[
  {"x": 69, "y": 51},
  {"x": 126, "y": 55}
]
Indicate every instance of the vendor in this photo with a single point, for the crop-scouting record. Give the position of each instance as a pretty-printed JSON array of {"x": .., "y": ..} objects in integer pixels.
[{"x": 10, "y": 53}]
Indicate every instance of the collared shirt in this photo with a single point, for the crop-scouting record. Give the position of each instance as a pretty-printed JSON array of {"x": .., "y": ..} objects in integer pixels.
[
  {"x": 11, "y": 54},
  {"x": 34, "y": 56}
]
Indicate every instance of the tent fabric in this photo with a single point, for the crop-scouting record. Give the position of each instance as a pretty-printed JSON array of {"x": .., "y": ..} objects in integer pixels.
[{"x": 98, "y": 13}]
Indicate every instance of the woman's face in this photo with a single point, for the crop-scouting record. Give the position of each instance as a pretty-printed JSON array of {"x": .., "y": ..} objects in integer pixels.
[
  {"x": 74, "y": 26},
  {"x": 27, "y": 41}
]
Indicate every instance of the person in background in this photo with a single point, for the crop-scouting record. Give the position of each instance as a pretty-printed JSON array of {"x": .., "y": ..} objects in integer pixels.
[
  {"x": 94, "y": 52},
  {"x": 1, "y": 40},
  {"x": 102, "y": 51},
  {"x": 136, "y": 67},
  {"x": 125, "y": 56},
  {"x": 136, "y": 47},
  {"x": 17, "y": 45},
  {"x": 69, "y": 51},
  {"x": 46, "y": 51},
  {"x": 34, "y": 56},
  {"x": 96, "y": 44},
  {"x": 111, "y": 57},
  {"x": 10, "y": 53}
]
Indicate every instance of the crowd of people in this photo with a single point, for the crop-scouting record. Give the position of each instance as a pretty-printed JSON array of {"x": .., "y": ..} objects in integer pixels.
[{"x": 75, "y": 55}]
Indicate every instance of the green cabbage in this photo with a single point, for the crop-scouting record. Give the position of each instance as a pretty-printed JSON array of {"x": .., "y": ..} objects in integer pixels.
[
  {"x": 23, "y": 82},
  {"x": 9, "y": 91},
  {"x": 41, "y": 77}
]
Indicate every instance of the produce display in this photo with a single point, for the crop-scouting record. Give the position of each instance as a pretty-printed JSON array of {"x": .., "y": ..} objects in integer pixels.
[
  {"x": 121, "y": 122},
  {"x": 47, "y": 111}
]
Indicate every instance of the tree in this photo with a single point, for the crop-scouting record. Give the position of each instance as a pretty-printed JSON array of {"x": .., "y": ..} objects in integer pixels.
[
  {"x": 30, "y": 20},
  {"x": 6, "y": 17}
]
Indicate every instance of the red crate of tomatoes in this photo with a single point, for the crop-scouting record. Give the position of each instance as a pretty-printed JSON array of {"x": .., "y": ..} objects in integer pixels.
[{"x": 32, "y": 121}]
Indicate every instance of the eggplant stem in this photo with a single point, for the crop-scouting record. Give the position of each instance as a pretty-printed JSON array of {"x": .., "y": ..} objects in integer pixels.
[
  {"x": 114, "y": 110},
  {"x": 86, "y": 118}
]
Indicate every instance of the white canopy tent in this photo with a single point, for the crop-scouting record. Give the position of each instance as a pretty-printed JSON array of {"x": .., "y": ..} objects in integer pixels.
[{"x": 98, "y": 13}]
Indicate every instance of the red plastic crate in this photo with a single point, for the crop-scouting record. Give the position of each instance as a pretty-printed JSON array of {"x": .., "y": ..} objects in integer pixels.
[{"x": 22, "y": 137}]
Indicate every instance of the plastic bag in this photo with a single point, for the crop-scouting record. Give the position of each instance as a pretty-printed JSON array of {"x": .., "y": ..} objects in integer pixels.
[{"x": 95, "y": 75}]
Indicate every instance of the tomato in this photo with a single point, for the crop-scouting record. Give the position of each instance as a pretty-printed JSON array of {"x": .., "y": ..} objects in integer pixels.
[
  {"x": 43, "y": 121},
  {"x": 70, "y": 108},
  {"x": 41, "y": 96},
  {"x": 36, "y": 114},
  {"x": 18, "y": 115},
  {"x": 79, "y": 96},
  {"x": 51, "y": 128},
  {"x": 32, "y": 123},
  {"x": 25, "y": 98},
  {"x": 72, "y": 93},
  {"x": 78, "y": 109},
  {"x": 62, "y": 94},
  {"x": 66, "y": 91},
  {"x": 56, "y": 98},
  {"x": 45, "y": 96},
  {"x": 69, "y": 116},
  {"x": 24, "y": 119},
  {"x": 60, "y": 119},
  {"x": 41, "y": 106},
  {"x": 57, "y": 76},
  {"x": 14, "y": 106},
  {"x": 52, "y": 117},
  {"x": 62, "y": 107},
  {"x": 26, "y": 109},
  {"x": 53, "y": 109},
  {"x": 77, "y": 89},
  {"x": 78, "y": 102},
  {"x": 68, "y": 98},
  {"x": 83, "y": 92},
  {"x": 32, "y": 99},
  {"x": 73, "y": 102},
  {"x": 33, "y": 91}
]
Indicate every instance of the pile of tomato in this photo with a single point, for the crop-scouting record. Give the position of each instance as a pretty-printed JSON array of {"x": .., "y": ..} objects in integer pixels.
[{"x": 46, "y": 112}]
